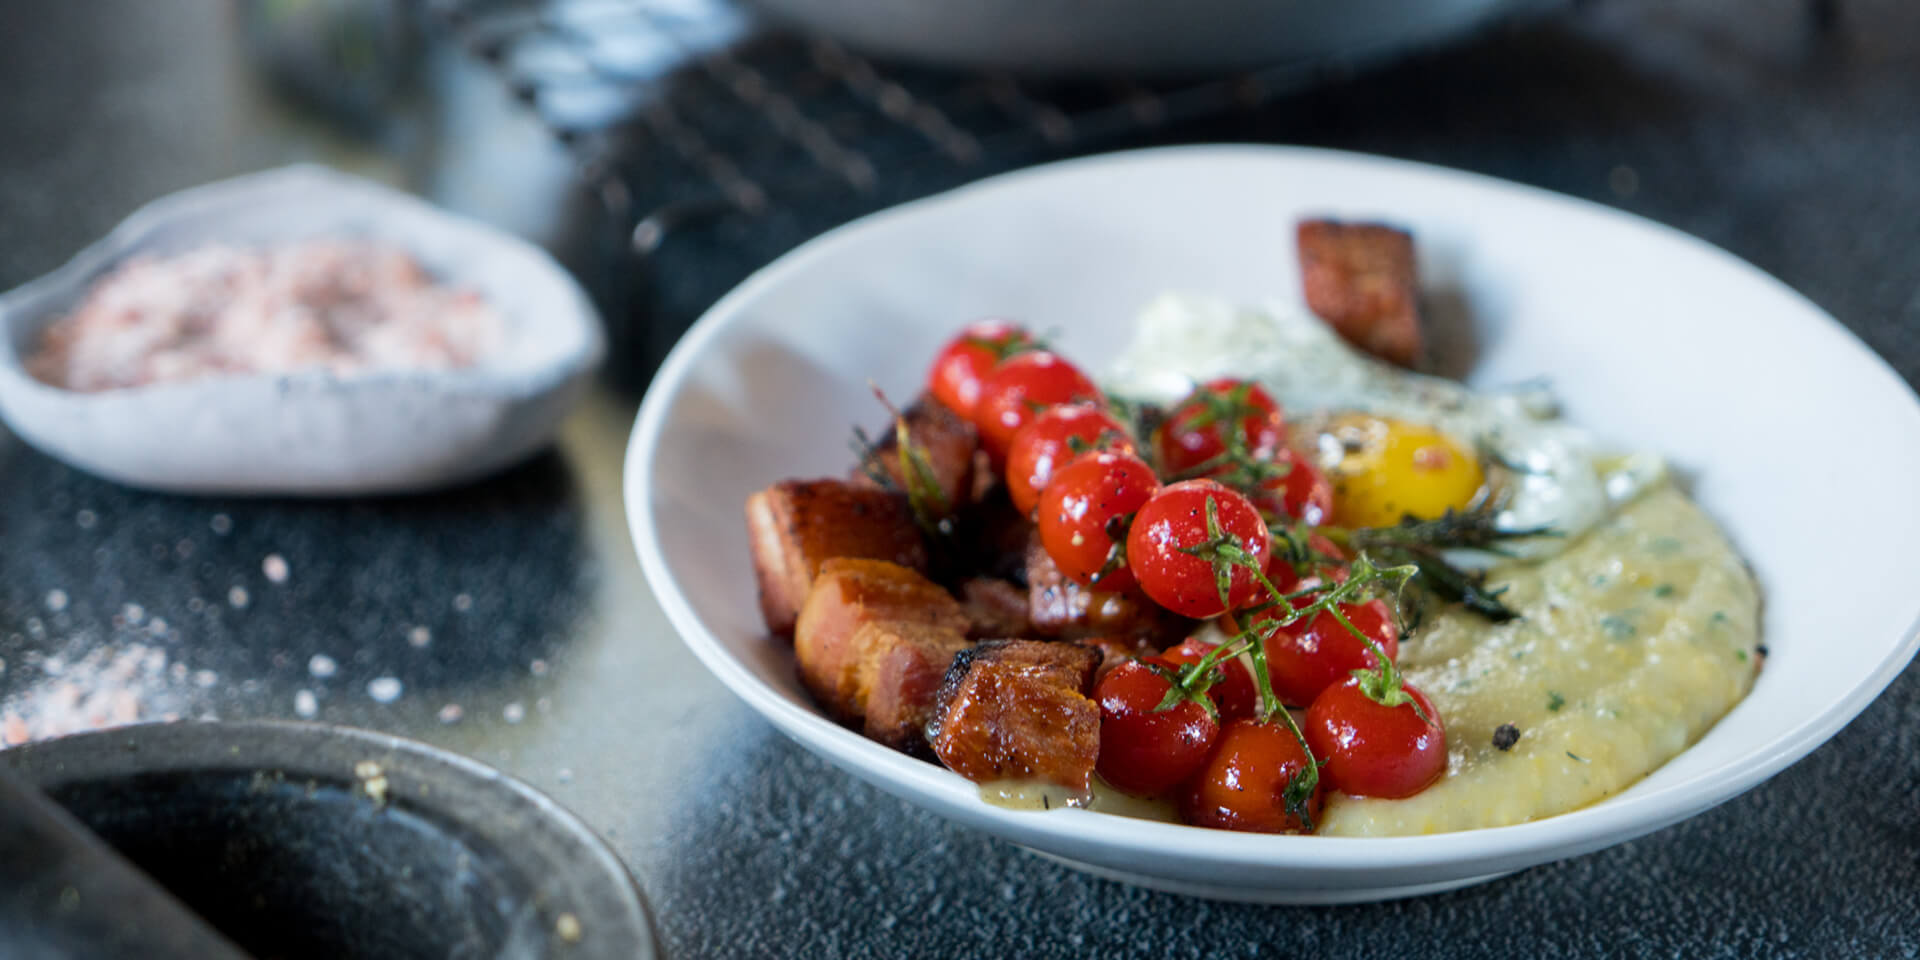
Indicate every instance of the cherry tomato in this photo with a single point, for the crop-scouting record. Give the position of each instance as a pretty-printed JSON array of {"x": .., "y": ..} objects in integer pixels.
[
  {"x": 1233, "y": 694},
  {"x": 1303, "y": 493},
  {"x": 1144, "y": 750},
  {"x": 1306, "y": 657},
  {"x": 1175, "y": 521},
  {"x": 1197, "y": 430},
  {"x": 1046, "y": 444},
  {"x": 1373, "y": 750},
  {"x": 964, "y": 363},
  {"x": 1019, "y": 389},
  {"x": 1081, "y": 509},
  {"x": 1243, "y": 785}
]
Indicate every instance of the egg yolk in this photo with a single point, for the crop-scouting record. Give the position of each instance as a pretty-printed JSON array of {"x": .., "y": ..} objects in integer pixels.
[{"x": 1389, "y": 469}]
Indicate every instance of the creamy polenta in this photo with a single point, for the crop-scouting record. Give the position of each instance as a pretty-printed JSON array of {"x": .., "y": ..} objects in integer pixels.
[{"x": 1630, "y": 644}]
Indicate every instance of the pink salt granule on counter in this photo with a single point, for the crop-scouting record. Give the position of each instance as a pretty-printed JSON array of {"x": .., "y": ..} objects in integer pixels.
[
  {"x": 339, "y": 306},
  {"x": 110, "y": 686}
]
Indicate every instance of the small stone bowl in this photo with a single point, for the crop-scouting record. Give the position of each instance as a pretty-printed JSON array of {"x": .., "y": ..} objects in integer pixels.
[
  {"x": 303, "y": 840},
  {"x": 313, "y": 433}
]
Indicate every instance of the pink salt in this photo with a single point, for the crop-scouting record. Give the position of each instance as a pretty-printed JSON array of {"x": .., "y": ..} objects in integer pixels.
[{"x": 339, "y": 306}]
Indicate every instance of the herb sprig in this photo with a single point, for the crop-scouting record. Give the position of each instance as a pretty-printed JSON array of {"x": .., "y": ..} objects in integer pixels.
[
  {"x": 932, "y": 512},
  {"x": 1422, "y": 543}
]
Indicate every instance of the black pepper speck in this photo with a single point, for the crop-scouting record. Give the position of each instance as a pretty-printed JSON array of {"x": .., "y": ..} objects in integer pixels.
[{"x": 1505, "y": 736}]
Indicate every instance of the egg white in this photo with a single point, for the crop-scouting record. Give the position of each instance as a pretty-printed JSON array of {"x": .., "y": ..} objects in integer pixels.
[{"x": 1551, "y": 474}]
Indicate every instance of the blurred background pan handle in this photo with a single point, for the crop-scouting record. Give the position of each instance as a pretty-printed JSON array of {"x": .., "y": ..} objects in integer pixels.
[{"x": 65, "y": 894}]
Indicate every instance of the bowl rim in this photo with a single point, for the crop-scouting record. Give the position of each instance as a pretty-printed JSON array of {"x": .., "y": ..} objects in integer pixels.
[{"x": 1606, "y": 822}]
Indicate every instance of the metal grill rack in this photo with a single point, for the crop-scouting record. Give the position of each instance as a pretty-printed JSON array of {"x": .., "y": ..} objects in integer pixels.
[
  {"x": 714, "y": 145},
  {"x": 681, "y": 110}
]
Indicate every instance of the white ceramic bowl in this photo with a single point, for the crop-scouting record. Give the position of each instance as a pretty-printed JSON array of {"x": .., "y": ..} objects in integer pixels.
[
  {"x": 1649, "y": 336},
  {"x": 310, "y": 433}
]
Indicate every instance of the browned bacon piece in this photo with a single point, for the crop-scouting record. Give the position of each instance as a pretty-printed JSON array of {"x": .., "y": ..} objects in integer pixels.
[
  {"x": 1018, "y": 710},
  {"x": 946, "y": 439},
  {"x": 904, "y": 686},
  {"x": 796, "y": 525},
  {"x": 993, "y": 536},
  {"x": 1115, "y": 651},
  {"x": 1361, "y": 279},
  {"x": 1060, "y": 607},
  {"x": 873, "y": 642},
  {"x": 997, "y": 608},
  {"x": 985, "y": 478}
]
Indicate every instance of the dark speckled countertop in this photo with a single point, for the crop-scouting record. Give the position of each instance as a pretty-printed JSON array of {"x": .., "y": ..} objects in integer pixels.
[{"x": 509, "y": 621}]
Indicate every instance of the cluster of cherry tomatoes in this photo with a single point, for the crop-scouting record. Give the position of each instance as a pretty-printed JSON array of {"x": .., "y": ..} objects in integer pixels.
[{"x": 1187, "y": 515}]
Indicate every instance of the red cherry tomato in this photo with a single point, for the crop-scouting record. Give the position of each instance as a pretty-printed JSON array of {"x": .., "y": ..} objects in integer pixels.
[
  {"x": 1144, "y": 750},
  {"x": 1019, "y": 389},
  {"x": 1306, "y": 657},
  {"x": 1373, "y": 750},
  {"x": 1243, "y": 785},
  {"x": 963, "y": 364},
  {"x": 1303, "y": 493},
  {"x": 1081, "y": 509},
  {"x": 1174, "y": 521},
  {"x": 1197, "y": 430},
  {"x": 1046, "y": 444},
  {"x": 1233, "y": 694}
]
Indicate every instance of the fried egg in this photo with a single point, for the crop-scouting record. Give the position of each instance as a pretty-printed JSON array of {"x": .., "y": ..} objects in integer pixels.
[{"x": 1396, "y": 443}]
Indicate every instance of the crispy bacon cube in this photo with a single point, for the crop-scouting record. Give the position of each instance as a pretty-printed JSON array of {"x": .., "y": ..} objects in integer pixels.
[
  {"x": 947, "y": 440},
  {"x": 906, "y": 680},
  {"x": 873, "y": 642},
  {"x": 997, "y": 608},
  {"x": 1019, "y": 710},
  {"x": 1060, "y": 607},
  {"x": 1115, "y": 651},
  {"x": 992, "y": 537},
  {"x": 796, "y": 525},
  {"x": 1362, "y": 280}
]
